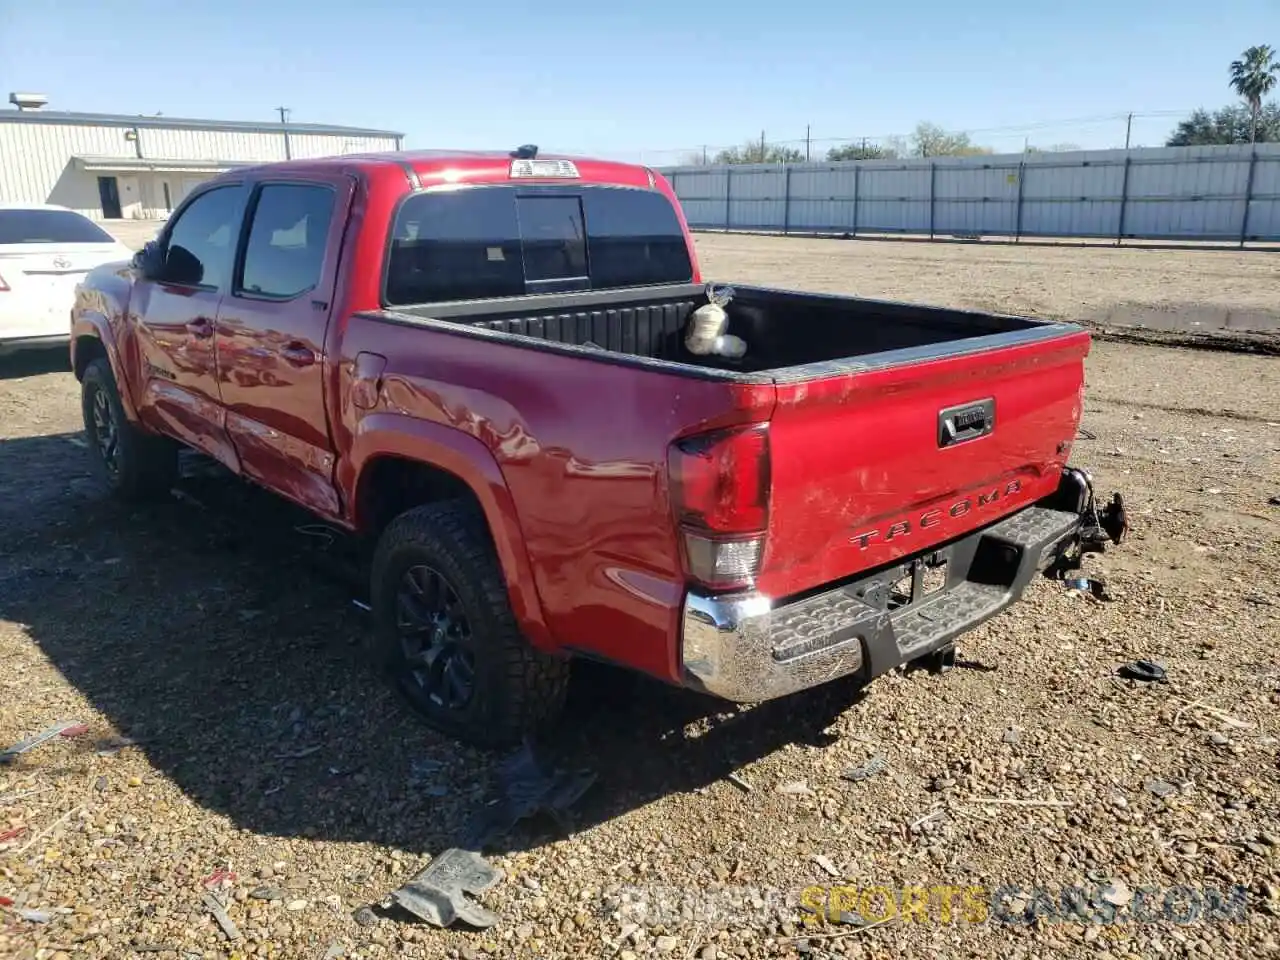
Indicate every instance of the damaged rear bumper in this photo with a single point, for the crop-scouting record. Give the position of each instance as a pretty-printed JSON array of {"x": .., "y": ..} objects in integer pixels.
[{"x": 743, "y": 647}]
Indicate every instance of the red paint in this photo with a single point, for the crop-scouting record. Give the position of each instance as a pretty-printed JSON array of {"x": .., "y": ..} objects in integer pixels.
[
  {"x": 9, "y": 835},
  {"x": 218, "y": 876},
  {"x": 569, "y": 458}
]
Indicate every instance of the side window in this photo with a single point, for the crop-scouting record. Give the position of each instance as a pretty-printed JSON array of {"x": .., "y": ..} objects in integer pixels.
[
  {"x": 202, "y": 240},
  {"x": 287, "y": 239},
  {"x": 461, "y": 245}
]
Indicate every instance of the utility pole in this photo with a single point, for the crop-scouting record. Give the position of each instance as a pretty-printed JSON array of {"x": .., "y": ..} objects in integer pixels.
[
  {"x": 1128, "y": 129},
  {"x": 762, "y": 153},
  {"x": 284, "y": 122},
  {"x": 704, "y": 154},
  {"x": 807, "y": 129}
]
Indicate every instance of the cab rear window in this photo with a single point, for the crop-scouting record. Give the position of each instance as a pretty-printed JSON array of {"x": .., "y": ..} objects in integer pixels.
[{"x": 504, "y": 241}]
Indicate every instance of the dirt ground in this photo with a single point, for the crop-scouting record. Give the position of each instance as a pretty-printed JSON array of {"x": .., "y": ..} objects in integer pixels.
[
  {"x": 1163, "y": 288},
  {"x": 271, "y": 766}
]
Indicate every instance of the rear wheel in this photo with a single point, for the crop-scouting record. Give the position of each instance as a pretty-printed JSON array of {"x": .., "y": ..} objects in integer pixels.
[
  {"x": 447, "y": 636},
  {"x": 134, "y": 464}
]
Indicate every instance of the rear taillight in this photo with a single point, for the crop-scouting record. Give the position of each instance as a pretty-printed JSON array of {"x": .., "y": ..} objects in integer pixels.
[{"x": 720, "y": 490}]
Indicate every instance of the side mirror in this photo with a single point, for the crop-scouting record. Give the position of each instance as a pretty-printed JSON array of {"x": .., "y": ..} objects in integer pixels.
[{"x": 147, "y": 260}]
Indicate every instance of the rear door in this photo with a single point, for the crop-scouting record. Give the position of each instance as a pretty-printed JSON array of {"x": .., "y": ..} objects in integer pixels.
[
  {"x": 44, "y": 253},
  {"x": 271, "y": 336},
  {"x": 175, "y": 313},
  {"x": 878, "y": 463}
]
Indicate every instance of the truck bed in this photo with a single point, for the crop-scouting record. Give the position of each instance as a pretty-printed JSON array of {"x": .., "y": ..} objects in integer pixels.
[{"x": 782, "y": 329}]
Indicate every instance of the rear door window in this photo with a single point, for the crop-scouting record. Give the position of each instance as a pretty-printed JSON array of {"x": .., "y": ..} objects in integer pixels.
[
  {"x": 505, "y": 241},
  {"x": 287, "y": 240}
]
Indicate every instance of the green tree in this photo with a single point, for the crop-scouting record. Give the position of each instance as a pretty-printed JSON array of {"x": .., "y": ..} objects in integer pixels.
[
  {"x": 930, "y": 140},
  {"x": 859, "y": 151},
  {"x": 1253, "y": 76},
  {"x": 755, "y": 151},
  {"x": 1235, "y": 124}
]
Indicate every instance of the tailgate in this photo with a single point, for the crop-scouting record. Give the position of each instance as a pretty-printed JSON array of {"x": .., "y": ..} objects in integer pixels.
[{"x": 880, "y": 460}]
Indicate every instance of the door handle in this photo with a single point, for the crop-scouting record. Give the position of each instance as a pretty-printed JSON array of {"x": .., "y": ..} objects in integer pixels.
[
  {"x": 201, "y": 327},
  {"x": 298, "y": 354}
]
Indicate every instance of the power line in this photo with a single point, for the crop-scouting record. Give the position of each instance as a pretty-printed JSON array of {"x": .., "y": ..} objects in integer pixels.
[{"x": 1007, "y": 130}]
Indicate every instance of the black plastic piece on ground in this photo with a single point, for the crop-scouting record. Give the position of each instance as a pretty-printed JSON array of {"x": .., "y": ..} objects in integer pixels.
[
  {"x": 1146, "y": 671},
  {"x": 943, "y": 660},
  {"x": 527, "y": 789}
]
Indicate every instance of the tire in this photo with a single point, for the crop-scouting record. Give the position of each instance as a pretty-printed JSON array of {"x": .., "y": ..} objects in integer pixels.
[
  {"x": 135, "y": 465},
  {"x": 436, "y": 564}
]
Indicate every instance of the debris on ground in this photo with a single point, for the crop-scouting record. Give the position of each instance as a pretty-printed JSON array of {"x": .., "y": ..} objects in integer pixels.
[
  {"x": 35, "y": 916},
  {"x": 825, "y": 863},
  {"x": 1012, "y": 735},
  {"x": 877, "y": 764},
  {"x": 1160, "y": 788},
  {"x": 438, "y": 893},
  {"x": 1117, "y": 893},
  {"x": 740, "y": 782},
  {"x": 219, "y": 912},
  {"x": 796, "y": 788},
  {"x": 1089, "y": 586},
  {"x": 527, "y": 788},
  {"x": 365, "y": 917},
  {"x": 217, "y": 877},
  {"x": 112, "y": 745},
  {"x": 22, "y": 746},
  {"x": 1145, "y": 671},
  {"x": 10, "y": 834}
]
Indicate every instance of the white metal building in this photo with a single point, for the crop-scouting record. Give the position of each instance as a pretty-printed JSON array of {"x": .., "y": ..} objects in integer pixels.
[{"x": 110, "y": 166}]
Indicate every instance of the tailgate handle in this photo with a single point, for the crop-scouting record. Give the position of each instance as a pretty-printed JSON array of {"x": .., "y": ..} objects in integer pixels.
[{"x": 968, "y": 421}]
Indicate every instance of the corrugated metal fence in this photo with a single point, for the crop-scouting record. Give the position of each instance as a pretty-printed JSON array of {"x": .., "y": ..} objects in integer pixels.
[{"x": 1222, "y": 193}]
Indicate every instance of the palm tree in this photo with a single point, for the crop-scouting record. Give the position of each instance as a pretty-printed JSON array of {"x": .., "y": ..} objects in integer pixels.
[{"x": 1253, "y": 76}]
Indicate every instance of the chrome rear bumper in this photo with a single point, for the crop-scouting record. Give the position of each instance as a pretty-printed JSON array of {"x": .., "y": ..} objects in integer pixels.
[{"x": 744, "y": 647}]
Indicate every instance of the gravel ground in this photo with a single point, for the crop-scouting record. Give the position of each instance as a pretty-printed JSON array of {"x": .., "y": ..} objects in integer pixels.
[
  {"x": 272, "y": 767},
  {"x": 1170, "y": 289}
]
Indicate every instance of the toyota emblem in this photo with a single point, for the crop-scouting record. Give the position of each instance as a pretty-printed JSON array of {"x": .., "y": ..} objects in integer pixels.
[{"x": 61, "y": 263}]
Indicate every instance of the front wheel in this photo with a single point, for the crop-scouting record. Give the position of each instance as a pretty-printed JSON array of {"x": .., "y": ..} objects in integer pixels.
[
  {"x": 135, "y": 465},
  {"x": 447, "y": 636}
]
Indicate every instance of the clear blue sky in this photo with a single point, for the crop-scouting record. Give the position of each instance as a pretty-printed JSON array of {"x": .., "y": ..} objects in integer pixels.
[{"x": 657, "y": 76}]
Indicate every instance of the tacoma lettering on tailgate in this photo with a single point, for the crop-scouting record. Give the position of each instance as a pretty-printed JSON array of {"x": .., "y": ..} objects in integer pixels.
[{"x": 936, "y": 516}]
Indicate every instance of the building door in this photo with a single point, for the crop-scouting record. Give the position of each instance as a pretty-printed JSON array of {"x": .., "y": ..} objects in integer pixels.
[
  {"x": 130, "y": 198},
  {"x": 109, "y": 194},
  {"x": 166, "y": 197}
]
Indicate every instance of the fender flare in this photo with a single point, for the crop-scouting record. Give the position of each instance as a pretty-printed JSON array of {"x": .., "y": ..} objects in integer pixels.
[
  {"x": 467, "y": 458},
  {"x": 97, "y": 326}
]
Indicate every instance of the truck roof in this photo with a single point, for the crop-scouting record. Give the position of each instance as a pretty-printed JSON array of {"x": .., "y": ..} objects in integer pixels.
[{"x": 430, "y": 167}]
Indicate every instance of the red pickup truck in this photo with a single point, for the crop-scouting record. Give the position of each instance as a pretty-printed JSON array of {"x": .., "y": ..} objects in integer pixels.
[{"x": 506, "y": 372}]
